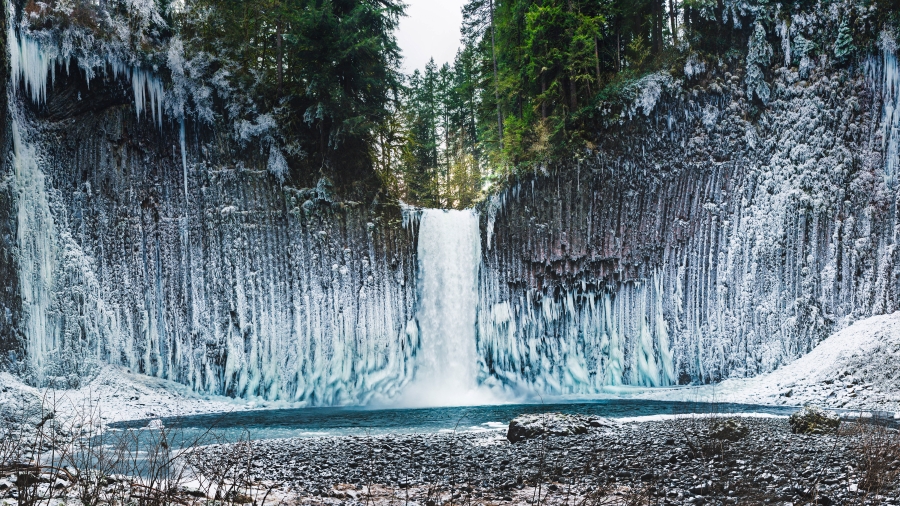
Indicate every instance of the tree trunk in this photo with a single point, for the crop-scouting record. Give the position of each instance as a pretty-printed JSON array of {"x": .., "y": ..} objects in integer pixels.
[
  {"x": 573, "y": 94},
  {"x": 279, "y": 56},
  {"x": 573, "y": 89},
  {"x": 618, "y": 48},
  {"x": 597, "y": 59},
  {"x": 673, "y": 22},
  {"x": 687, "y": 18},
  {"x": 657, "y": 26},
  {"x": 543, "y": 95},
  {"x": 496, "y": 78}
]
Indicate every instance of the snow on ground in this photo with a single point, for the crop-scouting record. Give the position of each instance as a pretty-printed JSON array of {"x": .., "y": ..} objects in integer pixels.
[
  {"x": 116, "y": 394},
  {"x": 855, "y": 368}
]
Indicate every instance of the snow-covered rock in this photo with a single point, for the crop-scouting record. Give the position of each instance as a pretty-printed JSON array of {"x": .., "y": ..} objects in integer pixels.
[
  {"x": 553, "y": 424},
  {"x": 813, "y": 420}
]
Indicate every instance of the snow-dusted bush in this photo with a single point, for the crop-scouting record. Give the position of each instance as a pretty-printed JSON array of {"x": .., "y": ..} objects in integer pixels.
[
  {"x": 643, "y": 94},
  {"x": 759, "y": 58}
]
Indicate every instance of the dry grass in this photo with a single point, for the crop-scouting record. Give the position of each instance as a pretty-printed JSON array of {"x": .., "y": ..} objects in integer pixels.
[
  {"x": 877, "y": 450},
  {"x": 76, "y": 460}
]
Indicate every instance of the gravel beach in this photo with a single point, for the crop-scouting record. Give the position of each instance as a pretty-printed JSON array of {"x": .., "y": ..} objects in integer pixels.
[{"x": 656, "y": 462}]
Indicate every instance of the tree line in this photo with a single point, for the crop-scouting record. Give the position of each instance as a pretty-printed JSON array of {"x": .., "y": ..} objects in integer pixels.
[
  {"x": 528, "y": 85},
  {"x": 313, "y": 87}
]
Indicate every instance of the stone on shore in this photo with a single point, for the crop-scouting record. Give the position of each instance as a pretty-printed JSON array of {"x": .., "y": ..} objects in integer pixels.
[
  {"x": 526, "y": 427},
  {"x": 814, "y": 420}
]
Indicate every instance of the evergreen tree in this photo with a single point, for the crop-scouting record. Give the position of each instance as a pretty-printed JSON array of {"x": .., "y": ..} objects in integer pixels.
[
  {"x": 843, "y": 46},
  {"x": 326, "y": 69}
]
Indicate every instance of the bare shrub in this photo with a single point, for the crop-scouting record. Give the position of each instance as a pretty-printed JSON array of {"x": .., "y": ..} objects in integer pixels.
[
  {"x": 51, "y": 459},
  {"x": 877, "y": 450}
]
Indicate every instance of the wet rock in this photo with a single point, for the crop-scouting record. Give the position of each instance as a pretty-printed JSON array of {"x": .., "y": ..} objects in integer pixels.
[
  {"x": 814, "y": 420},
  {"x": 555, "y": 424}
]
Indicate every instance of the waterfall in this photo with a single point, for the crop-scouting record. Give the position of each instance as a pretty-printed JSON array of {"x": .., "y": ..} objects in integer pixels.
[{"x": 447, "y": 367}]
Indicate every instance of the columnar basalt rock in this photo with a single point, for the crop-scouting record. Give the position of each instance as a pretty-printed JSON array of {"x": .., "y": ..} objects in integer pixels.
[
  {"x": 709, "y": 235},
  {"x": 204, "y": 270},
  {"x": 710, "y": 238}
]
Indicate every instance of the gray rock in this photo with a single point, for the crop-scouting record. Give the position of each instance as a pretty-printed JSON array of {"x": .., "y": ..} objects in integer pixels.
[{"x": 555, "y": 424}]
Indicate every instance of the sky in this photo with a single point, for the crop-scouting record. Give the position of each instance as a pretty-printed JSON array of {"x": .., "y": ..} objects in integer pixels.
[{"x": 430, "y": 29}]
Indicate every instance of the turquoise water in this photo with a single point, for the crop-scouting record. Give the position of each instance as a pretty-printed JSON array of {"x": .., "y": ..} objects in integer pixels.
[{"x": 317, "y": 422}]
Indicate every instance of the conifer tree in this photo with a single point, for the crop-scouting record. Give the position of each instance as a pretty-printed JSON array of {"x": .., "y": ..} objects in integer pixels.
[{"x": 843, "y": 46}]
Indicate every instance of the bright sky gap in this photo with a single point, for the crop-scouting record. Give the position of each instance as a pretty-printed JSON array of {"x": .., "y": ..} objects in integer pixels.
[{"x": 430, "y": 29}]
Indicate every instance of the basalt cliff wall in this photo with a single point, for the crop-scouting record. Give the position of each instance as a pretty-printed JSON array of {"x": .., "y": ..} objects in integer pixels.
[
  {"x": 125, "y": 241},
  {"x": 708, "y": 236}
]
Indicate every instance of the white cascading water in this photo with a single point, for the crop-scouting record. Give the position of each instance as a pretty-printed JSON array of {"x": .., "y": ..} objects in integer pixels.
[{"x": 449, "y": 252}]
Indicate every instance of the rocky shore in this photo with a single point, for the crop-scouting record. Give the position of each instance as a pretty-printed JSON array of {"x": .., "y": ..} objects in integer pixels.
[{"x": 689, "y": 460}]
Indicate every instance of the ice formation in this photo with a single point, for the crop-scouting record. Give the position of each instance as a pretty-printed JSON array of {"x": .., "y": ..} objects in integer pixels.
[
  {"x": 576, "y": 343},
  {"x": 29, "y": 66},
  {"x": 702, "y": 247},
  {"x": 34, "y": 69},
  {"x": 267, "y": 303},
  {"x": 148, "y": 95},
  {"x": 890, "y": 122},
  {"x": 38, "y": 254}
]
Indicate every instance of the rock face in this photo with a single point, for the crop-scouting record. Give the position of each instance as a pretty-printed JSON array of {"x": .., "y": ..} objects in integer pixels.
[
  {"x": 554, "y": 424},
  {"x": 708, "y": 239},
  {"x": 128, "y": 244},
  {"x": 813, "y": 420}
]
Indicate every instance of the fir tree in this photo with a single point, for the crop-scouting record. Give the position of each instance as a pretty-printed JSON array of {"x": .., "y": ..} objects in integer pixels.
[{"x": 843, "y": 46}]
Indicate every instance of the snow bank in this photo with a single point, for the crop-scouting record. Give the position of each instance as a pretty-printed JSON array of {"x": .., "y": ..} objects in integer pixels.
[
  {"x": 117, "y": 394},
  {"x": 855, "y": 368}
]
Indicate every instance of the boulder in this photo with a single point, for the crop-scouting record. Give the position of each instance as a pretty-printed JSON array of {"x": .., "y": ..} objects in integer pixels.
[
  {"x": 813, "y": 420},
  {"x": 555, "y": 424}
]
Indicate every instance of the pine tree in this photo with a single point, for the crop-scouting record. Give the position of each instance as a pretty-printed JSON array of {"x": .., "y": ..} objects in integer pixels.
[
  {"x": 326, "y": 70},
  {"x": 843, "y": 46}
]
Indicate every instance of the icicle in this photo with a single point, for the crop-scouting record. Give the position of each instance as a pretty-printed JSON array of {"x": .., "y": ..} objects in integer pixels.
[
  {"x": 149, "y": 94},
  {"x": 28, "y": 65},
  {"x": 890, "y": 122},
  {"x": 411, "y": 216},
  {"x": 184, "y": 165}
]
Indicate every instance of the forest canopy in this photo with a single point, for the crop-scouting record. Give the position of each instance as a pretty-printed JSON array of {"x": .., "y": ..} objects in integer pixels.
[
  {"x": 312, "y": 89},
  {"x": 537, "y": 81}
]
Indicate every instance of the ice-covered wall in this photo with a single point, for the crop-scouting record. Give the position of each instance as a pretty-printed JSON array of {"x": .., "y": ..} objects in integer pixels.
[
  {"x": 144, "y": 243},
  {"x": 708, "y": 237}
]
